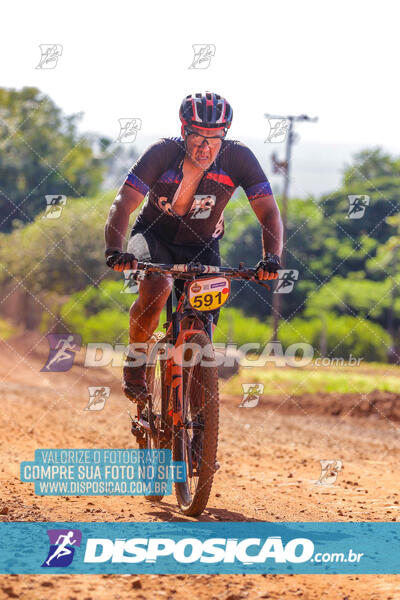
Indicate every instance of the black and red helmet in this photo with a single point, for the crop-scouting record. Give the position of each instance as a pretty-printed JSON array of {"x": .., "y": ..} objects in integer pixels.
[{"x": 206, "y": 110}]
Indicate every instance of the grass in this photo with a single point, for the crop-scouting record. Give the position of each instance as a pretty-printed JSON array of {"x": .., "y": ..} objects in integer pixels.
[
  {"x": 317, "y": 380},
  {"x": 6, "y": 330}
]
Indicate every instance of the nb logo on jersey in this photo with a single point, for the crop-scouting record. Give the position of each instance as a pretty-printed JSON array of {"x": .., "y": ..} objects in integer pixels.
[{"x": 202, "y": 206}]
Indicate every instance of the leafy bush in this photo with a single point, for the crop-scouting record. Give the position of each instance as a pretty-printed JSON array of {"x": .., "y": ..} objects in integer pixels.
[
  {"x": 102, "y": 314},
  {"x": 7, "y": 330},
  {"x": 351, "y": 297},
  {"x": 341, "y": 337},
  {"x": 62, "y": 255},
  {"x": 99, "y": 314},
  {"x": 233, "y": 326}
]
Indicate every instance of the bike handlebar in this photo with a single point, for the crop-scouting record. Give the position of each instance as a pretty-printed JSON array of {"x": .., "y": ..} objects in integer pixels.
[{"x": 188, "y": 270}]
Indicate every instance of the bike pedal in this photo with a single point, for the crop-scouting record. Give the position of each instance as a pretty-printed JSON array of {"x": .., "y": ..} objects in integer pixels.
[
  {"x": 136, "y": 431},
  {"x": 144, "y": 416}
]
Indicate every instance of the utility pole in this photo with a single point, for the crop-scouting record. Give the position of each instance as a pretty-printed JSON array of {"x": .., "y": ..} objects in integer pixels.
[
  {"x": 283, "y": 124},
  {"x": 393, "y": 357}
]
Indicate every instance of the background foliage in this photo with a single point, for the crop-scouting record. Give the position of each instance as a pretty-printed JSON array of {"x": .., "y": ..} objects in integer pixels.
[{"x": 345, "y": 301}]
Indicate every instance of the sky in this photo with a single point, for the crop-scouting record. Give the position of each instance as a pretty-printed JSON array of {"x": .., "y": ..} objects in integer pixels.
[{"x": 335, "y": 61}]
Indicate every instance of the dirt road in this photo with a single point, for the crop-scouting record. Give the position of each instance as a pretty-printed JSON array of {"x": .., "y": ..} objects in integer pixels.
[{"x": 270, "y": 463}]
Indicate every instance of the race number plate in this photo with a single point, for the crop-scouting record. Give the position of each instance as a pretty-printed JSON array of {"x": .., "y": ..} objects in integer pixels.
[{"x": 209, "y": 294}]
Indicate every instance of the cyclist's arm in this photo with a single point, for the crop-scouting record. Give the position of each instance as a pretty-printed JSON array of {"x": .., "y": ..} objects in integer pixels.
[
  {"x": 126, "y": 201},
  {"x": 269, "y": 216},
  {"x": 258, "y": 190},
  {"x": 141, "y": 178}
]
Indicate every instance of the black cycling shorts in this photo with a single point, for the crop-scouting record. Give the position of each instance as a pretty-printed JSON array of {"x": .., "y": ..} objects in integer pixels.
[{"x": 148, "y": 247}]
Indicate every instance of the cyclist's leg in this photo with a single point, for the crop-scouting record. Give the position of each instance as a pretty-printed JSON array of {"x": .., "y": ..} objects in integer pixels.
[{"x": 145, "y": 311}]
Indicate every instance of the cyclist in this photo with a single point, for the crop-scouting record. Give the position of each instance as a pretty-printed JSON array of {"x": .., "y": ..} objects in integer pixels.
[{"x": 188, "y": 181}]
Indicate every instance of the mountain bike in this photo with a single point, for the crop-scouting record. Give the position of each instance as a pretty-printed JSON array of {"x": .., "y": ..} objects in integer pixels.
[{"x": 182, "y": 408}]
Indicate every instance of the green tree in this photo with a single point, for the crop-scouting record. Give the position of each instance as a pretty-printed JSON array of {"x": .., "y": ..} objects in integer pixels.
[
  {"x": 42, "y": 153},
  {"x": 376, "y": 175},
  {"x": 64, "y": 255},
  {"x": 387, "y": 260},
  {"x": 370, "y": 165}
]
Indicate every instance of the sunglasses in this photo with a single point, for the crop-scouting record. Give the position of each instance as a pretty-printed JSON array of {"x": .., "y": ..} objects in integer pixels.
[{"x": 198, "y": 139}]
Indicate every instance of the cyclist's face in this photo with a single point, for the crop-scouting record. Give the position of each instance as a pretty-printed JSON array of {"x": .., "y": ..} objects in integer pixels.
[{"x": 203, "y": 146}]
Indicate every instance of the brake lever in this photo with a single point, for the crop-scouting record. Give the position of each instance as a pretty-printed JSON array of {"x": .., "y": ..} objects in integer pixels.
[
  {"x": 268, "y": 287},
  {"x": 260, "y": 282}
]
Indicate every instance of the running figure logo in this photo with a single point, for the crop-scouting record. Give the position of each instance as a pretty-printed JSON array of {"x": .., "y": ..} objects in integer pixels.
[
  {"x": 278, "y": 130},
  {"x": 62, "y": 547},
  {"x": 54, "y": 206},
  {"x": 287, "y": 279},
  {"x": 62, "y": 351},
  {"x": 357, "y": 206},
  {"x": 202, "y": 206},
  {"x": 251, "y": 394},
  {"x": 97, "y": 397},
  {"x": 50, "y": 54},
  {"x": 128, "y": 129},
  {"x": 329, "y": 471},
  {"x": 203, "y": 54},
  {"x": 130, "y": 282}
]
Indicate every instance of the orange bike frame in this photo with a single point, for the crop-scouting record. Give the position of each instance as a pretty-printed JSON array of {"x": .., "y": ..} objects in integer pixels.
[{"x": 174, "y": 371}]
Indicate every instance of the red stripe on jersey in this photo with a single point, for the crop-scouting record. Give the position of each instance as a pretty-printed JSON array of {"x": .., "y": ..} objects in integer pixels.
[{"x": 220, "y": 178}]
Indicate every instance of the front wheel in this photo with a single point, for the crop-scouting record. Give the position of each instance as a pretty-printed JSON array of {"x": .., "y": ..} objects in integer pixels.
[
  {"x": 196, "y": 442},
  {"x": 155, "y": 379}
]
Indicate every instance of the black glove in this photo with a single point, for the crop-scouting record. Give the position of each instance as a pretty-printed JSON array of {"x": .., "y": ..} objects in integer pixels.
[
  {"x": 120, "y": 261},
  {"x": 267, "y": 268}
]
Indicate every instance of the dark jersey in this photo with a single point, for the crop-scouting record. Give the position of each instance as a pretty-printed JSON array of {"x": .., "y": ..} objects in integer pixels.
[{"x": 158, "y": 173}]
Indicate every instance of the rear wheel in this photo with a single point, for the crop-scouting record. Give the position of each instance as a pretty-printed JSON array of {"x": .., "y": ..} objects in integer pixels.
[
  {"x": 196, "y": 443},
  {"x": 155, "y": 379}
]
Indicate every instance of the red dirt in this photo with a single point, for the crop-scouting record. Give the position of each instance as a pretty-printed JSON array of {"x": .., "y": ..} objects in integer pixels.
[{"x": 270, "y": 461}]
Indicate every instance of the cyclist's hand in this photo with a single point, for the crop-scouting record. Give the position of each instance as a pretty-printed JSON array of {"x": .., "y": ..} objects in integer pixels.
[
  {"x": 121, "y": 261},
  {"x": 267, "y": 268}
]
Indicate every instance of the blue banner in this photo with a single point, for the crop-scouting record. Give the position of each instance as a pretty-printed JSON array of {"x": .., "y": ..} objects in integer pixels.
[{"x": 203, "y": 548}]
